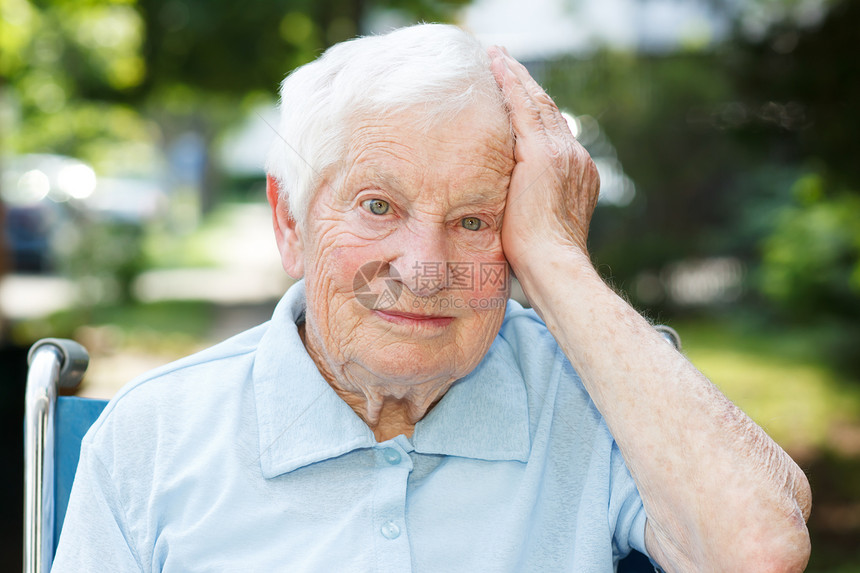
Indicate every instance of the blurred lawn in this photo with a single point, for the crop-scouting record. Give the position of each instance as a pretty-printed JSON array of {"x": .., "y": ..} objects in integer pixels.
[
  {"x": 781, "y": 379},
  {"x": 785, "y": 382},
  {"x": 167, "y": 324}
]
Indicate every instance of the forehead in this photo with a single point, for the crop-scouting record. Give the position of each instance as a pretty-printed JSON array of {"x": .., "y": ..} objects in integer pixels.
[{"x": 471, "y": 152}]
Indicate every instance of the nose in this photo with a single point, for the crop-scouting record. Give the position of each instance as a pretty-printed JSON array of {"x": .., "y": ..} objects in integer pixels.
[{"x": 422, "y": 260}]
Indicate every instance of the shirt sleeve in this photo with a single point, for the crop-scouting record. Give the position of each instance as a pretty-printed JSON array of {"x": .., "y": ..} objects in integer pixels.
[
  {"x": 626, "y": 511},
  {"x": 95, "y": 534}
]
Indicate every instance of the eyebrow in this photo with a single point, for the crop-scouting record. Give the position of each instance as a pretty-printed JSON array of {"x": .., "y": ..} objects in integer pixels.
[
  {"x": 392, "y": 182},
  {"x": 481, "y": 196},
  {"x": 484, "y": 196},
  {"x": 388, "y": 179}
]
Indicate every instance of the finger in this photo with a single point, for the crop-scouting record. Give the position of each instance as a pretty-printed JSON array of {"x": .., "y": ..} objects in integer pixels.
[
  {"x": 533, "y": 111},
  {"x": 533, "y": 88},
  {"x": 525, "y": 112},
  {"x": 516, "y": 94},
  {"x": 550, "y": 114},
  {"x": 541, "y": 129}
]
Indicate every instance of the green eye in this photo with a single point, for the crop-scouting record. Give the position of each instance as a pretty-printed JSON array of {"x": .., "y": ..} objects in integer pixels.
[
  {"x": 472, "y": 223},
  {"x": 376, "y": 206}
]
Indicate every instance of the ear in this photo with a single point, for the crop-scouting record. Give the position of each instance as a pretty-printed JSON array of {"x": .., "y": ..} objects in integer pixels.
[{"x": 287, "y": 233}]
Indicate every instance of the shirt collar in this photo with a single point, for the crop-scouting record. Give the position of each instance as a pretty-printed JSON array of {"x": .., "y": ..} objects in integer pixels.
[
  {"x": 483, "y": 416},
  {"x": 302, "y": 420}
]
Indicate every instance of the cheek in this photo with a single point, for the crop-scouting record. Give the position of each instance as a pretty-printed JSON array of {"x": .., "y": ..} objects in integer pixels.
[
  {"x": 490, "y": 281},
  {"x": 338, "y": 255},
  {"x": 492, "y": 290},
  {"x": 331, "y": 280},
  {"x": 338, "y": 272},
  {"x": 486, "y": 301},
  {"x": 477, "y": 258}
]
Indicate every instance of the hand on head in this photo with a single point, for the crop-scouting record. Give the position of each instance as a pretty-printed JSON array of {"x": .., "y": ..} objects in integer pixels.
[{"x": 555, "y": 185}]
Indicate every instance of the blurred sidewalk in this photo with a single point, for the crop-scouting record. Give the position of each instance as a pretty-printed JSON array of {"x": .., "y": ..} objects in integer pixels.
[{"x": 243, "y": 287}]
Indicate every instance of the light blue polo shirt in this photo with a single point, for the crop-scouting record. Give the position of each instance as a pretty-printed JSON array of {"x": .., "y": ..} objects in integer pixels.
[{"x": 242, "y": 458}]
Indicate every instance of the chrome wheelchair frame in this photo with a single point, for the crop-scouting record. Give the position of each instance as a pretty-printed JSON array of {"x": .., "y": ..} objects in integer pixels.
[{"x": 53, "y": 364}]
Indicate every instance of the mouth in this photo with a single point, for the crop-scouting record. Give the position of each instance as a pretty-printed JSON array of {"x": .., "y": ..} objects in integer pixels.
[{"x": 413, "y": 319}]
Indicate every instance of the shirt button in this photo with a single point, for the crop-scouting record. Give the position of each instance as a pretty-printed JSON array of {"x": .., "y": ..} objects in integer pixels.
[
  {"x": 391, "y": 455},
  {"x": 390, "y": 530}
]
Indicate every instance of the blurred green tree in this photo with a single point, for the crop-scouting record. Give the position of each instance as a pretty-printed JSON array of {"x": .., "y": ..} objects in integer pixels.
[
  {"x": 724, "y": 146},
  {"x": 803, "y": 83},
  {"x": 67, "y": 71},
  {"x": 81, "y": 78},
  {"x": 118, "y": 82},
  {"x": 715, "y": 139},
  {"x": 811, "y": 258}
]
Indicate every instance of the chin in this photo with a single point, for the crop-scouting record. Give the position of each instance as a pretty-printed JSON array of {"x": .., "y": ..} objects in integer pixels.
[{"x": 406, "y": 366}]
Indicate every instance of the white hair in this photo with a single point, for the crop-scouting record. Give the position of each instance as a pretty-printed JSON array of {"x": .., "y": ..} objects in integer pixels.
[{"x": 434, "y": 71}]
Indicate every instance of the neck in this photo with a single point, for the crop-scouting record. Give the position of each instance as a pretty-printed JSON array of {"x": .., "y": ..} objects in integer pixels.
[{"x": 388, "y": 407}]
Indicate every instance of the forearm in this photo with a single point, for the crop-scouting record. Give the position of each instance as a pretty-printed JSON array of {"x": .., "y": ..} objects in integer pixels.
[{"x": 718, "y": 492}]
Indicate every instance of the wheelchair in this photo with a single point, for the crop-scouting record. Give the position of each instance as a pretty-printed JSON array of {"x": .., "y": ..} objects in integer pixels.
[{"x": 54, "y": 427}]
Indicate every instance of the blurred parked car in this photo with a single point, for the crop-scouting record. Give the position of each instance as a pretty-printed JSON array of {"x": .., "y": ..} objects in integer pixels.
[
  {"x": 43, "y": 193},
  {"x": 127, "y": 200},
  {"x": 33, "y": 189}
]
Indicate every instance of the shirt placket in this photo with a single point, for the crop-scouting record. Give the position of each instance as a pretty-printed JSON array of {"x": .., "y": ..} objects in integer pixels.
[{"x": 393, "y": 465}]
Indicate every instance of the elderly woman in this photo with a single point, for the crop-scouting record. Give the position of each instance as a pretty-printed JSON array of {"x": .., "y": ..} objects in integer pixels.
[{"x": 397, "y": 413}]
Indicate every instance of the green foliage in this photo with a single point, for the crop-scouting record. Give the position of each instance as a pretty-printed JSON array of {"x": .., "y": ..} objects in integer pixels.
[
  {"x": 658, "y": 111},
  {"x": 68, "y": 68},
  {"x": 103, "y": 257},
  {"x": 146, "y": 326},
  {"x": 715, "y": 140},
  {"x": 811, "y": 260},
  {"x": 780, "y": 377},
  {"x": 67, "y": 74},
  {"x": 117, "y": 82},
  {"x": 747, "y": 151}
]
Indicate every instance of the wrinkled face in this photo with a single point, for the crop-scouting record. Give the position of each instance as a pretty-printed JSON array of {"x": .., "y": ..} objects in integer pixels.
[{"x": 405, "y": 276}]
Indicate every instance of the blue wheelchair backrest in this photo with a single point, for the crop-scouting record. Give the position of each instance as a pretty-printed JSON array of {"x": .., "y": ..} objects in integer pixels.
[{"x": 73, "y": 418}]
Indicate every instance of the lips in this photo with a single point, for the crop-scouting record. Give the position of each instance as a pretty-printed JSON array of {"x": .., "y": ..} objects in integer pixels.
[{"x": 410, "y": 318}]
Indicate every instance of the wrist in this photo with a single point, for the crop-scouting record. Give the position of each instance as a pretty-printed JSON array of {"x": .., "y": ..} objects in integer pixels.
[
  {"x": 536, "y": 267},
  {"x": 551, "y": 273}
]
